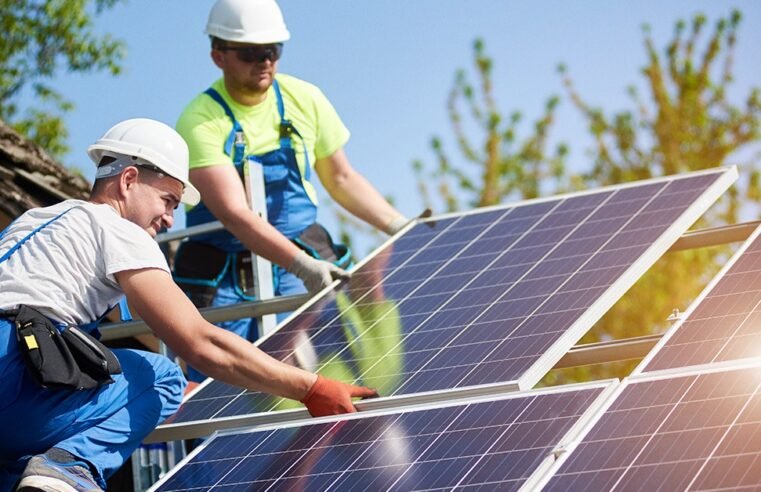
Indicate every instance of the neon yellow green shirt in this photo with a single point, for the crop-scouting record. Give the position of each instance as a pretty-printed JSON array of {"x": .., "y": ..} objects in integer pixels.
[{"x": 205, "y": 126}]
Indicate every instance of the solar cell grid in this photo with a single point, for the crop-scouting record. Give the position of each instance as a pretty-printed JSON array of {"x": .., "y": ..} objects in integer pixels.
[
  {"x": 482, "y": 444},
  {"x": 700, "y": 431},
  {"x": 411, "y": 318},
  {"x": 724, "y": 323}
]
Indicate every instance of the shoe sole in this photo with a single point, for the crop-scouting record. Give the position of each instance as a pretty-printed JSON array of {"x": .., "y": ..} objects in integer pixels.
[{"x": 44, "y": 484}]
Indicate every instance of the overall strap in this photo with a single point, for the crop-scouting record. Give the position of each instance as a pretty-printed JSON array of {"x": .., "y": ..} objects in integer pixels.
[
  {"x": 286, "y": 128},
  {"x": 29, "y": 236},
  {"x": 89, "y": 326},
  {"x": 92, "y": 326},
  {"x": 235, "y": 145}
]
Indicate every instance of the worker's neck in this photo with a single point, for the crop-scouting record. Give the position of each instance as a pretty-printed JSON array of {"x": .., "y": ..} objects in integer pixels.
[
  {"x": 245, "y": 97},
  {"x": 105, "y": 199}
]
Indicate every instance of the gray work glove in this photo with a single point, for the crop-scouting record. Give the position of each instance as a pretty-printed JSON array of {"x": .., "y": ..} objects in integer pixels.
[
  {"x": 401, "y": 222},
  {"x": 316, "y": 274},
  {"x": 396, "y": 225}
]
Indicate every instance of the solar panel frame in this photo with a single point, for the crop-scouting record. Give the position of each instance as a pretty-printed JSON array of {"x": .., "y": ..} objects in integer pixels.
[
  {"x": 725, "y": 176},
  {"x": 645, "y": 365},
  {"x": 566, "y": 452},
  {"x": 450, "y": 399}
]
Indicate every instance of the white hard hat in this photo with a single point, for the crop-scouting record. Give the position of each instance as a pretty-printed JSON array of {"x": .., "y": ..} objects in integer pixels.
[
  {"x": 152, "y": 142},
  {"x": 247, "y": 21}
]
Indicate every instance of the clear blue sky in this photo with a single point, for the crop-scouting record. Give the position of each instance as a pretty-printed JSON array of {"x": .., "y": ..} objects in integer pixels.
[{"x": 388, "y": 65}]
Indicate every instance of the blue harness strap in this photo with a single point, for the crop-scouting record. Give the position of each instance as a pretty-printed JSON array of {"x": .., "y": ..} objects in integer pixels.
[
  {"x": 29, "y": 236},
  {"x": 236, "y": 140},
  {"x": 286, "y": 128},
  {"x": 235, "y": 145},
  {"x": 90, "y": 327}
]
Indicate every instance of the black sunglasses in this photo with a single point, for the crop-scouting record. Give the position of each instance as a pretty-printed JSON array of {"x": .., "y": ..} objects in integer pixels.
[{"x": 256, "y": 53}]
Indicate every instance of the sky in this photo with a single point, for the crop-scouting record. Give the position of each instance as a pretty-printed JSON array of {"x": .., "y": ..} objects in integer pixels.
[{"x": 388, "y": 66}]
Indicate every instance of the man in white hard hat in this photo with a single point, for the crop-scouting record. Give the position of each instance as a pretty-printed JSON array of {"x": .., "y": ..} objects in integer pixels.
[
  {"x": 76, "y": 408},
  {"x": 288, "y": 126}
]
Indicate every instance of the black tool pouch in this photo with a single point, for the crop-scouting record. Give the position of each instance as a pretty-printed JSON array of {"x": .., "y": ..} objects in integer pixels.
[
  {"x": 198, "y": 268},
  {"x": 317, "y": 243},
  {"x": 71, "y": 359}
]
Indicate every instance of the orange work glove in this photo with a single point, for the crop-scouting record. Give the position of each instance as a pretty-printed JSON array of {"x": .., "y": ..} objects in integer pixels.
[{"x": 331, "y": 397}]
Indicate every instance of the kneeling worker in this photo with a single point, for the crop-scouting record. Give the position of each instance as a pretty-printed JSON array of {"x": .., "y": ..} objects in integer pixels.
[{"x": 72, "y": 411}]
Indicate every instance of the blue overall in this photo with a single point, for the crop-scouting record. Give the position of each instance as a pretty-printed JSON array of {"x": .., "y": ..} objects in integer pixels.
[
  {"x": 289, "y": 209},
  {"x": 103, "y": 426}
]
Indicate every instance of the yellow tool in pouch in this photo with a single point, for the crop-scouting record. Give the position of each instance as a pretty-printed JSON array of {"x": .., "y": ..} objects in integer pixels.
[{"x": 31, "y": 342}]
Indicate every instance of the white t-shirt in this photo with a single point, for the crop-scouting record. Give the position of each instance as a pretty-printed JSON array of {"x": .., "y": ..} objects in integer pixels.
[{"x": 66, "y": 270}]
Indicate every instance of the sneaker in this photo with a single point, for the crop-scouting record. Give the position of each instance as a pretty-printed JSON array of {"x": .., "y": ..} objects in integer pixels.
[{"x": 45, "y": 475}]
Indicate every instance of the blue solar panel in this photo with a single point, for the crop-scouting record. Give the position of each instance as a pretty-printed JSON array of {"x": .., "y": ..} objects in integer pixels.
[
  {"x": 485, "y": 444},
  {"x": 691, "y": 432},
  {"x": 725, "y": 321},
  {"x": 484, "y": 297}
]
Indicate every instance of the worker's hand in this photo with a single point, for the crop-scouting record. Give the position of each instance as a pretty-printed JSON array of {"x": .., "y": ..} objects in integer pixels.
[
  {"x": 401, "y": 222},
  {"x": 331, "y": 397},
  {"x": 316, "y": 274},
  {"x": 396, "y": 225}
]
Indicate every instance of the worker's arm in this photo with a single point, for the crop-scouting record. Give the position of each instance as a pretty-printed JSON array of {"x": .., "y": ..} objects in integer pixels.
[
  {"x": 354, "y": 193},
  {"x": 224, "y": 355},
  {"x": 223, "y": 193}
]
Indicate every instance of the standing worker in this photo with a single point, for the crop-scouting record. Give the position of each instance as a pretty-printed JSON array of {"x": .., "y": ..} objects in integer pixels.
[
  {"x": 254, "y": 114},
  {"x": 76, "y": 408}
]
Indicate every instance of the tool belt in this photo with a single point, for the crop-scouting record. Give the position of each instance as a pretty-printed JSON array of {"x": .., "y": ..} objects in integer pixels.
[
  {"x": 70, "y": 359},
  {"x": 199, "y": 268},
  {"x": 317, "y": 243}
]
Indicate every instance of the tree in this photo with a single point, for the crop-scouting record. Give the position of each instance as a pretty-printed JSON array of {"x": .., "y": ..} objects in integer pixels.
[
  {"x": 688, "y": 124},
  {"x": 502, "y": 165},
  {"x": 39, "y": 38}
]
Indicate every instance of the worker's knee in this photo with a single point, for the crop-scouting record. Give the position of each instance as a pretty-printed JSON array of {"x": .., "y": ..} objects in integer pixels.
[
  {"x": 170, "y": 384},
  {"x": 156, "y": 374}
]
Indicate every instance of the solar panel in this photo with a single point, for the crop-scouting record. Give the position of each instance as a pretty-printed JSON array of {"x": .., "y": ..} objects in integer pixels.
[
  {"x": 496, "y": 443},
  {"x": 724, "y": 322},
  {"x": 490, "y": 297},
  {"x": 695, "y": 431}
]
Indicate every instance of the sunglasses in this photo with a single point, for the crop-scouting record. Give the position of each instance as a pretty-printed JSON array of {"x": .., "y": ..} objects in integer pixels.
[{"x": 256, "y": 53}]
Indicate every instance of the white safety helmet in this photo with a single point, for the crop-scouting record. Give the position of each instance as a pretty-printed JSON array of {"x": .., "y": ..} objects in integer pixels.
[
  {"x": 148, "y": 142},
  {"x": 247, "y": 21}
]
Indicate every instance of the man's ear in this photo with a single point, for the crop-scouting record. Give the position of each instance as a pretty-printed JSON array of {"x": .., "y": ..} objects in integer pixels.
[
  {"x": 128, "y": 178},
  {"x": 218, "y": 58}
]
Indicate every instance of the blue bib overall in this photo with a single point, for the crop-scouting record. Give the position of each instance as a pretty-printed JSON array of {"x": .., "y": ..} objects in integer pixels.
[
  {"x": 289, "y": 209},
  {"x": 102, "y": 425}
]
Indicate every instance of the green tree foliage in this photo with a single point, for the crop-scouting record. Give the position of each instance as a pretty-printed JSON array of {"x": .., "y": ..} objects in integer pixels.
[
  {"x": 687, "y": 124},
  {"x": 501, "y": 165},
  {"x": 41, "y": 37},
  {"x": 690, "y": 123}
]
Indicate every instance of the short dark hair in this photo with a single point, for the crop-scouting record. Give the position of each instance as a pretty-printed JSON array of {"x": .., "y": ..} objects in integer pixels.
[{"x": 98, "y": 183}]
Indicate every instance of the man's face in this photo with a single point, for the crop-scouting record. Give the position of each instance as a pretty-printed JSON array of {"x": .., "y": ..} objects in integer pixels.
[
  {"x": 249, "y": 68},
  {"x": 152, "y": 201}
]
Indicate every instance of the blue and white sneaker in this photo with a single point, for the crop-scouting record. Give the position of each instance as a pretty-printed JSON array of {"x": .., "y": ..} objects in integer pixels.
[{"x": 45, "y": 475}]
